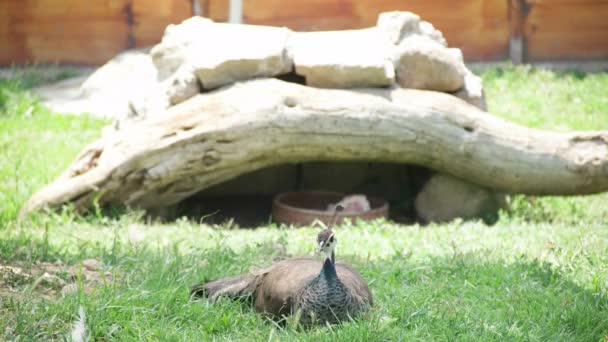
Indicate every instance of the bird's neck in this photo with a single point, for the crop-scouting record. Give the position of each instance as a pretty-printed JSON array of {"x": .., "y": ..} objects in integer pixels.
[
  {"x": 330, "y": 255},
  {"x": 329, "y": 268}
]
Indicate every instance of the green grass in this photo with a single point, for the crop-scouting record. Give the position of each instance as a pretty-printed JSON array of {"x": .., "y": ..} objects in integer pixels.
[
  {"x": 540, "y": 273},
  {"x": 467, "y": 281},
  {"x": 36, "y": 145},
  {"x": 558, "y": 101}
]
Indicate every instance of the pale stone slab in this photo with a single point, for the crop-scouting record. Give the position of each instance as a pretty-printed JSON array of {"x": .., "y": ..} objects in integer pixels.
[
  {"x": 173, "y": 50},
  {"x": 343, "y": 59},
  {"x": 444, "y": 198},
  {"x": 425, "y": 64},
  {"x": 473, "y": 92},
  {"x": 397, "y": 24}
]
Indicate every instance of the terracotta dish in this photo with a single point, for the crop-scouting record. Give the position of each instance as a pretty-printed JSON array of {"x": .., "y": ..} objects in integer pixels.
[{"x": 302, "y": 208}]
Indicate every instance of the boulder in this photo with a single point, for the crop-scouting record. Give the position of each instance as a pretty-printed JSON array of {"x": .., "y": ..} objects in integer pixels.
[
  {"x": 155, "y": 97},
  {"x": 150, "y": 101},
  {"x": 444, "y": 198},
  {"x": 228, "y": 53},
  {"x": 343, "y": 59},
  {"x": 107, "y": 91},
  {"x": 182, "y": 85},
  {"x": 173, "y": 50},
  {"x": 397, "y": 24},
  {"x": 136, "y": 64},
  {"x": 199, "y": 54},
  {"x": 428, "y": 30},
  {"x": 473, "y": 92},
  {"x": 221, "y": 54},
  {"x": 422, "y": 63}
]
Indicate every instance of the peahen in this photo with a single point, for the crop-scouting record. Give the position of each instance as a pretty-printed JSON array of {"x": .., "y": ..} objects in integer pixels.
[{"x": 318, "y": 292}]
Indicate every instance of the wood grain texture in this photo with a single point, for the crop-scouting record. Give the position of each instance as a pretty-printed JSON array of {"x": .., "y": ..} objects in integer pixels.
[
  {"x": 567, "y": 29},
  {"x": 217, "y": 10},
  {"x": 479, "y": 27},
  {"x": 89, "y": 32},
  {"x": 206, "y": 141},
  {"x": 12, "y": 40},
  {"x": 152, "y": 16}
]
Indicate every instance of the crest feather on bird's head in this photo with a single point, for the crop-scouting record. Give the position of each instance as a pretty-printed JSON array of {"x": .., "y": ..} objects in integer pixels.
[{"x": 325, "y": 236}]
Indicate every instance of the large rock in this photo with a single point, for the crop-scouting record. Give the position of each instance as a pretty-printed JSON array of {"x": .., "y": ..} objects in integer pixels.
[
  {"x": 343, "y": 59},
  {"x": 125, "y": 88},
  {"x": 422, "y": 63},
  {"x": 182, "y": 85},
  {"x": 132, "y": 67},
  {"x": 174, "y": 49},
  {"x": 199, "y": 55},
  {"x": 397, "y": 25},
  {"x": 221, "y": 54},
  {"x": 428, "y": 30},
  {"x": 155, "y": 97},
  {"x": 444, "y": 198},
  {"x": 106, "y": 92},
  {"x": 229, "y": 53},
  {"x": 150, "y": 101},
  {"x": 472, "y": 91}
]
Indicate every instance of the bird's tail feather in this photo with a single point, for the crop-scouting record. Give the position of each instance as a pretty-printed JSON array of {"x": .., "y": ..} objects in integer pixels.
[{"x": 235, "y": 287}]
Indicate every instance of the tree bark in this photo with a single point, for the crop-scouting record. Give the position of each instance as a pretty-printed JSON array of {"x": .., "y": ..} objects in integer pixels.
[{"x": 216, "y": 136}]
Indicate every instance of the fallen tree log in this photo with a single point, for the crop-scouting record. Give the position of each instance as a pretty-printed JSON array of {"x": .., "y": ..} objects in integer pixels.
[{"x": 216, "y": 136}]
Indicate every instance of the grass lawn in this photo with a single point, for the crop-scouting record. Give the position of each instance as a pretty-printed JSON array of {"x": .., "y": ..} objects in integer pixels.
[{"x": 540, "y": 273}]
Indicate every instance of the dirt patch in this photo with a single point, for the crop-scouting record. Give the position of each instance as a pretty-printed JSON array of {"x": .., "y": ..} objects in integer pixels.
[{"x": 50, "y": 280}]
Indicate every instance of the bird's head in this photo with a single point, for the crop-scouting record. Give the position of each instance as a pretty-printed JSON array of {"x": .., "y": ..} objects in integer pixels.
[
  {"x": 327, "y": 243},
  {"x": 326, "y": 239}
]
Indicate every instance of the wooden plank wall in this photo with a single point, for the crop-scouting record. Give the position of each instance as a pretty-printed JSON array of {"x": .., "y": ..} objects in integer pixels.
[
  {"x": 152, "y": 16},
  {"x": 566, "y": 29},
  {"x": 91, "y": 32},
  {"x": 548, "y": 29},
  {"x": 62, "y": 30},
  {"x": 82, "y": 32},
  {"x": 479, "y": 27}
]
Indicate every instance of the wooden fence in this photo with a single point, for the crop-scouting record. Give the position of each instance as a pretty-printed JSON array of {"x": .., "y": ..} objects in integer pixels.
[{"x": 91, "y": 32}]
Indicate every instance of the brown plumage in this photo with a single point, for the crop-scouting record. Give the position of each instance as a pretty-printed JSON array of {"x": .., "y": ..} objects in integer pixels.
[{"x": 321, "y": 291}]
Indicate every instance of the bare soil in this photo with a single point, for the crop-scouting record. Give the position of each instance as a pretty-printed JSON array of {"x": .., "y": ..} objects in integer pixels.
[{"x": 50, "y": 280}]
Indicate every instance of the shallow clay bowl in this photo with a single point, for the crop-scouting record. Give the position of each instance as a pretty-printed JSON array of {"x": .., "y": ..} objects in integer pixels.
[{"x": 302, "y": 208}]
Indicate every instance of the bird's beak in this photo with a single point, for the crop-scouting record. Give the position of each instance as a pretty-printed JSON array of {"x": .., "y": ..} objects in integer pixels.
[{"x": 320, "y": 249}]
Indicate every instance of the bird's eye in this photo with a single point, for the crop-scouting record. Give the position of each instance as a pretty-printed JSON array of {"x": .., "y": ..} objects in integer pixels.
[{"x": 331, "y": 239}]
